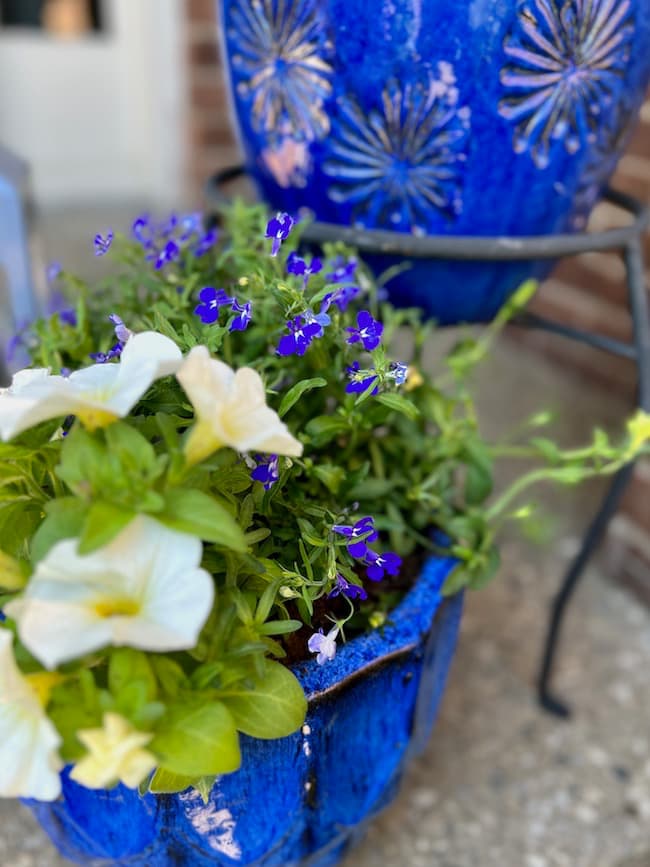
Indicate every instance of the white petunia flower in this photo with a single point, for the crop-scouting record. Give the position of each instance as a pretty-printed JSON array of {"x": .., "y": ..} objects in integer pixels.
[
  {"x": 97, "y": 395},
  {"x": 115, "y": 754},
  {"x": 231, "y": 410},
  {"x": 29, "y": 761},
  {"x": 145, "y": 589}
]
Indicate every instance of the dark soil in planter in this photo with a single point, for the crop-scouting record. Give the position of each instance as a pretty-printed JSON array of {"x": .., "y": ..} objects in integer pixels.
[{"x": 383, "y": 595}]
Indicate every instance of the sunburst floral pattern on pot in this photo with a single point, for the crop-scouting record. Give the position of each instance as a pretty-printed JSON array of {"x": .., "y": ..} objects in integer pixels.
[
  {"x": 403, "y": 162},
  {"x": 565, "y": 62},
  {"x": 281, "y": 68},
  {"x": 602, "y": 159}
]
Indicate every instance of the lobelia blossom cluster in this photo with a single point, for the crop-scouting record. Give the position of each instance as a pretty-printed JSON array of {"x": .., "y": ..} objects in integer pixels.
[
  {"x": 359, "y": 535},
  {"x": 212, "y": 301},
  {"x": 163, "y": 242}
]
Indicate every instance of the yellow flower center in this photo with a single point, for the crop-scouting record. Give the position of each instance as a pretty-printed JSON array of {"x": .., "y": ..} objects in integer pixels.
[
  {"x": 92, "y": 418},
  {"x": 43, "y": 682},
  {"x": 117, "y": 607}
]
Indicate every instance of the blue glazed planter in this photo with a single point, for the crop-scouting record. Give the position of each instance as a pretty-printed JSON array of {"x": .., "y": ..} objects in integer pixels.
[
  {"x": 299, "y": 800},
  {"x": 471, "y": 117}
]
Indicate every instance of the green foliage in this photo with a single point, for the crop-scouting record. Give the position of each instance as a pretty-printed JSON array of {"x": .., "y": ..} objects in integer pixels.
[
  {"x": 196, "y": 738},
  {"x": 270, "y": 706},
  {"x": 412, "y": 456}
]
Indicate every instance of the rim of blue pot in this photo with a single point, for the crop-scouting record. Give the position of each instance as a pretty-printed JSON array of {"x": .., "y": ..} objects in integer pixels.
[{"x": 403, "y": 632}]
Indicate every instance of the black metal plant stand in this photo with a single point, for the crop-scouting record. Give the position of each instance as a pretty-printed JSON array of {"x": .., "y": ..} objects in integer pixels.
[{"x": 501, "y": 249}]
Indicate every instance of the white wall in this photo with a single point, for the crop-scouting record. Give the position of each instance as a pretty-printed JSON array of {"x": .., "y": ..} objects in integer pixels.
[{"x": 100, "y": 118}]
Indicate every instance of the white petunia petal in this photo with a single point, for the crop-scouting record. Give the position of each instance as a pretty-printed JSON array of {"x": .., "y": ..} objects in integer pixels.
[
  {"x": 231, "y": 410},
  {"x": 31, "y": 399},
  {"x": 29, "y": 761},
  {"x": 97, "y": 394},
  {"x": 149, "y": 346},
  {"x": 207, "y": 382},
  {"x": 145, "y": 589}
]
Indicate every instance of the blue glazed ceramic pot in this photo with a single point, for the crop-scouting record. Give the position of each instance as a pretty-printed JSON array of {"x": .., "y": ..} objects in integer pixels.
[
  {"x": 303, "y": 799},
  {"x": 471, "y": 117}
]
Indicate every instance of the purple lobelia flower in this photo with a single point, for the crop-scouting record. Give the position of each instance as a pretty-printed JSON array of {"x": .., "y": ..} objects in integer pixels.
[
  {"x": 267, "y": 470},
  {"x": 141, "y": 230},
  {"x": 322, "y": 319},
  {"x": 68, "y": 316},
  {"x": 343, "y": 271},
  {"x": 369, "y": 331},
  {"x": 301, "y": 334},
  {"x": 121, "y": 331},
  {"x": 169, "y": 253},
  {"x": 17, "y": 345},
  {"x": 189, "y": 225},
  {"x": 344, "y": 296},
  {"x": 342, "y": 587},
  {"x": 279, "y": 229},
  {"x": 104, "y": 357},
  {"x": 205, "y": 243},
  {"x": 296, "y": 265},
  {"x": 244, "y": 315},
  {"x": 324, "y": 645},
  {"x": 212, "y": 300},
  {"x": 398, "y": 371},
  {"x": 380, "y": 564},
  {"x": 52, "y": 273},
  {"x": 358, "y": 535},
  {"x": 361, "y": 380},
  {"x": 102, "y": 243}
]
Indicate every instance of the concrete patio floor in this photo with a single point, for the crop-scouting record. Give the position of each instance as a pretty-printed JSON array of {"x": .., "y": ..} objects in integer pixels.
[{"x": 502, "y": 784}]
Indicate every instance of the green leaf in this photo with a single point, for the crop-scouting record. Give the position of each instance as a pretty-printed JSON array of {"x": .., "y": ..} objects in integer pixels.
[
  {"x": 324, "y": 428},
  {"x": 547, "y": 449},
  {"x": 127, "y": 667},
  {"x": 103, "y": 523},
  {"x": 275, "y": 708},
  {"x": 487, "y": 571},
  {"x": 204, "y": 786},
  {"x": 294, "y": 394},
  {"x": 12, "y": 576},
  {"x": 192, "y": 511},
  {"x": 478, "y": 484},
  {"x": 171, "y": 676},
  {"x": 279, "y": 627},
  {"x": 82, "y": 456},
  {"x": 130, "y": 446},
  {"x": 400, "y": 404},
  {"x": 65, "y": 518},
  {"x": 371, "y": 489},
  {"x": 75, "y": 705},
  {"x": 331, "y": 476},
  {"x": 196, "y": 740},
  {"x": 165, "y": 782},
  {"x": 456, "y": 580}
]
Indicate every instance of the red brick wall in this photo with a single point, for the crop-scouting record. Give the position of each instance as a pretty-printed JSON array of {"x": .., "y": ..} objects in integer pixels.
[
  {"x": 211, "y": 141},
  {"x": 588, "y": 291}
]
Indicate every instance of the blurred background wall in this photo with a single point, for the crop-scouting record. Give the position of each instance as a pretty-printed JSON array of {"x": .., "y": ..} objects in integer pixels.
[{"x": 121, "y": 103}]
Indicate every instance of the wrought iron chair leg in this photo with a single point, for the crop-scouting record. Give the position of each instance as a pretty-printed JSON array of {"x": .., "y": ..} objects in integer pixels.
[
  {"x": 641, "y": 320},
  {"x": 547, "y": 698}
]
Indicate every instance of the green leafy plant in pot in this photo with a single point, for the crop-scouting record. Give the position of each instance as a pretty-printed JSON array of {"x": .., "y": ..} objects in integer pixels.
[{"x": 229, "y": 516}]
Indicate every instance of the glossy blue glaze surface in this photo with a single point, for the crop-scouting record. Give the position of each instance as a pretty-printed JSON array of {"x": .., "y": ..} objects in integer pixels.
[
  {"x": 471, "y": 117},
  {"x": 299, "y": 800}
]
